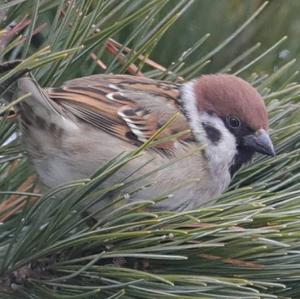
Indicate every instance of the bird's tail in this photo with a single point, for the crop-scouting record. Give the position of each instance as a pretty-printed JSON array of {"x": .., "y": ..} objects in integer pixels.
[
  {"x": 21, "y": 83},
  {"x": 8, "y": 87}
]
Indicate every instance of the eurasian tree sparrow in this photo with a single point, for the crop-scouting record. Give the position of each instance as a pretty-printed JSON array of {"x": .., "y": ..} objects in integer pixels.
[{"x": 73, "y": 130}]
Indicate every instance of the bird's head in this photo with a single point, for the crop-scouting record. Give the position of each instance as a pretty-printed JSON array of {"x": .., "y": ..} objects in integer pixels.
[{"x": 229, "y": 115}]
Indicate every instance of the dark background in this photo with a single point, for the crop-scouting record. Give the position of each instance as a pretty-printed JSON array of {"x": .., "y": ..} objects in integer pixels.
[{"x": 222, "y": 17}]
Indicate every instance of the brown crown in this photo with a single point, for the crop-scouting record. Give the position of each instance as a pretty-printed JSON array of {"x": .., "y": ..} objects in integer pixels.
[{"x": 229, "y": 95}]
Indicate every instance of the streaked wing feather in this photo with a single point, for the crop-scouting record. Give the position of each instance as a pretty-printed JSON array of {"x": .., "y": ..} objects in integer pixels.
[{"x": 127, "y": 107}]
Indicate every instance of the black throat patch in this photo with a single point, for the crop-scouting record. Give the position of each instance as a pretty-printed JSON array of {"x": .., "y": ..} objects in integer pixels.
[{"x": 243, "y": 155}]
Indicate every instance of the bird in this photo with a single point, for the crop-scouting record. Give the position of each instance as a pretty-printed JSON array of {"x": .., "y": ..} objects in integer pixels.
[{"x": 71, "y": 131}]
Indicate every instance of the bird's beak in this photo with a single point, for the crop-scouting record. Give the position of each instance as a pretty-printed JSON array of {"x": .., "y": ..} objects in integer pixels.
[{"x": 261, "y": 142}]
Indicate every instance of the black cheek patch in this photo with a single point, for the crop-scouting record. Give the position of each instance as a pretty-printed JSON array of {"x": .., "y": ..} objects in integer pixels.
[{"x": 213, "y": 134}]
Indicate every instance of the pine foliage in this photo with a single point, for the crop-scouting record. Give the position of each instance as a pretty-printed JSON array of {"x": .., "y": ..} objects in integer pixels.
[{"x": 244, "y": 246}]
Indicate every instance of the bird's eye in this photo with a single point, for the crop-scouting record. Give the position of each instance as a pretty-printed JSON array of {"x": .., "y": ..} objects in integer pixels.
[{"x": 234, "y": 122}]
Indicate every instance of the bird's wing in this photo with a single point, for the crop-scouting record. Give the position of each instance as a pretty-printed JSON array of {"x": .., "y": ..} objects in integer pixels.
[{"x": 130, "y": 108}]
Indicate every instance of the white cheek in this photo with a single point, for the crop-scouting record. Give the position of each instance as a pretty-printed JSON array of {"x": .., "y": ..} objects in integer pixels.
[
  {"x": 225, "y": 149},
  {"x": 220, "y": 154}
]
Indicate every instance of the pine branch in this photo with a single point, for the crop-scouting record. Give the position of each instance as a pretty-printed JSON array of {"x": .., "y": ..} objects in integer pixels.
[{"x": 244, "y": 246}]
